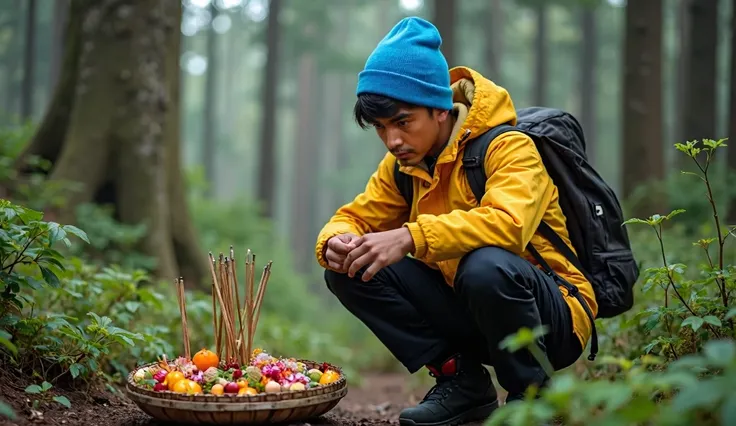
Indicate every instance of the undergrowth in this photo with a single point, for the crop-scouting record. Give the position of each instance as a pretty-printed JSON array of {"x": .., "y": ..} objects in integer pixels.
[
  {"x": 79, "y": 308},
  {"x": 671, "y": 360}
]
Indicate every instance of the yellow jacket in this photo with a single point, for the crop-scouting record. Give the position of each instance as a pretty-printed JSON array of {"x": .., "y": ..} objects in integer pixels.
[{"x": 445, "y": 221}]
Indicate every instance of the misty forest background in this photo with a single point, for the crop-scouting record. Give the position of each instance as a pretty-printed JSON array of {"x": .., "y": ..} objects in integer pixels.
[{"x": 165, "y": 130}]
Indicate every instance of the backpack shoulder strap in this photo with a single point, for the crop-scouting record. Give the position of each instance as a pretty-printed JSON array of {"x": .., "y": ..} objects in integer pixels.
[
  {"x": 474, "y": 158},
  {"x": 404, "y": 183}
]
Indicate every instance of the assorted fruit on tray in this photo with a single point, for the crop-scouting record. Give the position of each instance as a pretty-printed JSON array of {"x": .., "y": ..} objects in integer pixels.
[
  {"x": 204, "y": 374},
  {"x": 233, "y": 368}
]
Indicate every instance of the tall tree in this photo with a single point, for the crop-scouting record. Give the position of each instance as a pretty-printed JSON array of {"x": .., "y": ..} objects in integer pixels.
[
  {"x": 121, "y": 142},
  {"x": 699, "y": 103},
  {"x": 643, "y": 153},
  {"x": 732, "y": 113},
  {"x": 61, "y": 9},
  {"x": 209, "y": 129},
  {"x": 494, "y": 40},
  {"x": 541, "y": 53},
  {"x": 443, "y": 16},
  {"x": 29, "y": 62},
  {"x": 267, "y": 151},
  {"x": 588, "y": 73}
]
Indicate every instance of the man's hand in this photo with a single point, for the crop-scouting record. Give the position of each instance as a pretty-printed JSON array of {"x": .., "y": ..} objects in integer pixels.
[
  {"x": 378, "y": 250},
  {"x": 337, "y": 248}
]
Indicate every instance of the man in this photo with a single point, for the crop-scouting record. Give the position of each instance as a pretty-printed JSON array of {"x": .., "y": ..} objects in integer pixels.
[{"x": 469, "y": 280}]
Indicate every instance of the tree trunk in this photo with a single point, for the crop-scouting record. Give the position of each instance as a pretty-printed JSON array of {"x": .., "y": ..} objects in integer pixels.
[
  {"x": 541, "y": 52},
  {"x": 494, "y": 41},
  {"x": 267, "y": 151},
  {"x": 588, "y": 73},
  {"x": 51, "y": 133},
  {"x": 190, "y": 256},
  {"x": 61, "y": 18},
  {"x": 683, "y": 36},
  {"x": 333, "y": 89},
  {"x": 209, "y": 129},
  {"x": 731, "y": 149},
  {"x": 443, "y": 16},
  {"x": 699, "y": 103},
  {"x": 29, "y": 62},
  {"x": 122, "y": 143},
  {"x": 304, "y": 161},
  {"x": 13, "y": 54},
  {"x": 643, "y": 153}
]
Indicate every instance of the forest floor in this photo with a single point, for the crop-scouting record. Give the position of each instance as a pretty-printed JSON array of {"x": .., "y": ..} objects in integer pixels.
[{"x": 376, "y": 402}]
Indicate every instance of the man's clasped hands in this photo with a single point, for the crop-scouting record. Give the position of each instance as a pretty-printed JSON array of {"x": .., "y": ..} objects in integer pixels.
[{"x": 348, "y": 253}]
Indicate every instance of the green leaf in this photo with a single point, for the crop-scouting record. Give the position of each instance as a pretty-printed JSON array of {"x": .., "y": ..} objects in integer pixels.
[
  {"x": 694, "y": 322},
  {"x": 45, "y": 386},
  {"x": 731, "y": 313},
  {"x": 77, "y": 232},
  {"x": 710, "y": 319},
  {"x": 56, "y": 233},
  {"x": 132, "y": 306},
  {"x": 720, "y": 352},
  {"x": 28, "y": 215},
  {"x": 674, "y": 213},
  {"x": 7, "y": 411},
  {"x": 33, "y": 389},
  {"x": 50, "y": 277},
  {"x": 63, "y": 401},
  {"x": 5, "y": 341},
  {"x": 635, "y": 220},
  {"x": 728, "y": 410},
  {"x": 76, "y": 369}
]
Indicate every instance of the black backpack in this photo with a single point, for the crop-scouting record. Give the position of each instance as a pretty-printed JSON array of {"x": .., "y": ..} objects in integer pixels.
[{"x": 594, "y": 215}]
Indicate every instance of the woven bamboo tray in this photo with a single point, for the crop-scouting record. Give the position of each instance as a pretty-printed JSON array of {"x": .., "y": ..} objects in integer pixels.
[{"x": 228, "y": 409}]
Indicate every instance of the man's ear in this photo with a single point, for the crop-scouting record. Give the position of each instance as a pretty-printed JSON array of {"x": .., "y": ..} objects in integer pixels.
[{"x": 442, "y": 115}]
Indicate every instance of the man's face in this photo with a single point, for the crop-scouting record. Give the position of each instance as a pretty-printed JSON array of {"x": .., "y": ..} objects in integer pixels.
[{"x": 411, "y": 133}]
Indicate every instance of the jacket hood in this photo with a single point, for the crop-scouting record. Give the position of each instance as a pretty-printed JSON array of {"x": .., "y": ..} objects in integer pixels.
[{"x": 480, "y": 105}]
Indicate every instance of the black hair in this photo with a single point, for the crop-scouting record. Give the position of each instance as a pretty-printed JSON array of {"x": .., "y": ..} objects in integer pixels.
[{"x": 370, "y": 107}]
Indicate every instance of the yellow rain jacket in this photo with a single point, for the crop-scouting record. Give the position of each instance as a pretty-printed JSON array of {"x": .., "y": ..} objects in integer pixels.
[{"x": 445, "y": 221}]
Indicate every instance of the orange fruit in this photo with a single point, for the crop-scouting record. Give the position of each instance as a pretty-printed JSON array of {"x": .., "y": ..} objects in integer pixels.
[
  {"x": 193, "y": 387},
  {"x": 328, "y": 377},
  {"x": 247, "y": 391},
  {"x": 205, "y": 359},
  {"x": 180, "y": 387},
  {"x": 187, "y": 386},
  {"x": 173, "y": 378},
  {"x": 242, "y": 383},
  {"x": 217, "y": 389}
]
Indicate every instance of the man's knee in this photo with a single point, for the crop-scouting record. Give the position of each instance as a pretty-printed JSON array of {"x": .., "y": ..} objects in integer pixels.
[
  {"x": 334, "y": 279},
  {"x": 487, "y": 271}
]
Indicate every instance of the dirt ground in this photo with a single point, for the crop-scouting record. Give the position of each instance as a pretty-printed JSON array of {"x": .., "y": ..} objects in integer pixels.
[{"x": 377, "y": 401}]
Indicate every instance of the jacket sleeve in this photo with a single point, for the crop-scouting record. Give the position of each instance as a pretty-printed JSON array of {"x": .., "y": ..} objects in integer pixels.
[
  {"x": 518, "y": 191},
  {"x": 380, "y": 207}
]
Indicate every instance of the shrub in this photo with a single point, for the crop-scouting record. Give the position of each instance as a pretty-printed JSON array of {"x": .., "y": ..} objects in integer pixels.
[{"x": 679, "y": 364}]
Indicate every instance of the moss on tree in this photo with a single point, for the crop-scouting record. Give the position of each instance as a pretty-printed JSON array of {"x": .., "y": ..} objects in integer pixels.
[{"x": 118, "y": 134}]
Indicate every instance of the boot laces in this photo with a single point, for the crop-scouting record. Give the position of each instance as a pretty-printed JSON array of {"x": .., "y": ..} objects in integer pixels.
[{"x": 442, "y": 389}]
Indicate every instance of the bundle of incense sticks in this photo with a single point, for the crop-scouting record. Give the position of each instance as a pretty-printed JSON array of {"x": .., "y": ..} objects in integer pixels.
[
  {"x": 238, "y": 321},
  {"x": 179, "y": 283}
]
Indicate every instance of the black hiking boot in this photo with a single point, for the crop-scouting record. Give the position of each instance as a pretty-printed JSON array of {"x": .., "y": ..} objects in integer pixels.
[{"x": 464, "y": 392}]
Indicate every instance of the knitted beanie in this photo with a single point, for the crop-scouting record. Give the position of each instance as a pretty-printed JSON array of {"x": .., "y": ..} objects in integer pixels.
[{"x": 407, "y": 65}]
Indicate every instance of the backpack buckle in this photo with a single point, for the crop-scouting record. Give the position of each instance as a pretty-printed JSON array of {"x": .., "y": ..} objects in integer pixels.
[{"x": 471, "y": 162}]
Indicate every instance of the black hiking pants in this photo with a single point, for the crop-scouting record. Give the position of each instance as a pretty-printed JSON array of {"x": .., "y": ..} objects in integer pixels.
[{"x": 419, "y": 318}]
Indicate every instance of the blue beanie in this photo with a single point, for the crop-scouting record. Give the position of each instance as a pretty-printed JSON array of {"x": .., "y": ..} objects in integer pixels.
[{"x": 407, "y": 65}]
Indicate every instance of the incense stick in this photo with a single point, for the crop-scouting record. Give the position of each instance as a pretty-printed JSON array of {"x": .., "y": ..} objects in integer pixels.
[
  {"x": 239, "y": 321},
  {"x": 259, "y": 298},
  {"x": 228, "y": 330},
  {"x": 252, "y": 268},
  {"x": 214, "y": 317},
  {"x": 218, "y": 331},
  {"x": 183, "y": 310}
]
